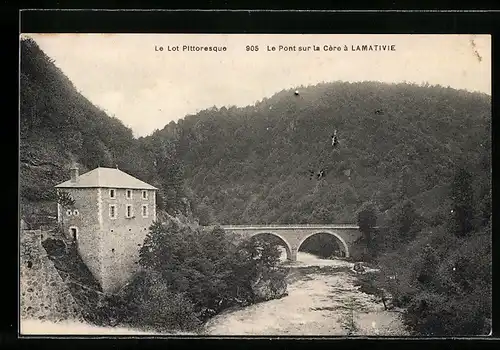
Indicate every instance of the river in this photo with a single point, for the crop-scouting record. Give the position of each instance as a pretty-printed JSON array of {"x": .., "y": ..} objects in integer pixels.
[
  {"x": 315, "y": 305},
  {"x": 318, "y": 293}
]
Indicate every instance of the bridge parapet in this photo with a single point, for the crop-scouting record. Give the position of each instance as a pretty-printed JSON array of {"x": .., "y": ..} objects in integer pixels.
[{"x": 293, "y": 227}]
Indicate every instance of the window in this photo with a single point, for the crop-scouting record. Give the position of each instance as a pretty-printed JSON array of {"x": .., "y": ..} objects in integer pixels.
[
  {"x": 68, "y": 212},
  {"x": 144, "y": 210},
  {"x": 144, "y": 194},
  {"x": 75, "y": 212},
  {"x": 73, "y": 232},
  {"x": 112, "y": 194},
  {"x": 112, "y": 211},
  {"x": 129, "y": 211},
  {"x": 129, "y": 194}
]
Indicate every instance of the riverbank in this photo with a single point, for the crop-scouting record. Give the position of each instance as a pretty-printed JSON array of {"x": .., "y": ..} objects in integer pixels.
[
  {"x": 73, "y": 327},
  {"x": 319, "y": 292},
  {"x": 323, "y": 295}
]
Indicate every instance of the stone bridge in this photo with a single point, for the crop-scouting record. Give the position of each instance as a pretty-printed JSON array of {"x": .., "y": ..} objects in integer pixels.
[{"x": 292, "y": 236}]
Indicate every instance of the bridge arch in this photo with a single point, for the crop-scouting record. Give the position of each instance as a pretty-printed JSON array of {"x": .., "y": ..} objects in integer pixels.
[
  {"x": 339, "y": 238},
  {"x": 283, "y": 240}
]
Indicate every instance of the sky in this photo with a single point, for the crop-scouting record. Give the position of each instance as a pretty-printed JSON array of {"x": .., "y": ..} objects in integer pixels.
[{"x": 128, "y": 76}]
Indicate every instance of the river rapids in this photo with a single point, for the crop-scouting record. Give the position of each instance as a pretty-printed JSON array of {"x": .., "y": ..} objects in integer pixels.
[{"x": 322, "y": 299}]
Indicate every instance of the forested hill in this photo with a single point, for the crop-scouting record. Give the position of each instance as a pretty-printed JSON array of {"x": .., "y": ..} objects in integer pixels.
[
  {"x": 58, "y": 126},
  {"x": 420, "y": 155},
  {"x": 252, "y": 165}
]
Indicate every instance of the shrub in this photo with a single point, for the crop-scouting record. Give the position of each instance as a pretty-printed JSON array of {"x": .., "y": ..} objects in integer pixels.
[
  {"x": 190, "y": 274},
  {"x": 444, "y": 282},
  {"x": 160, "y": 308}
]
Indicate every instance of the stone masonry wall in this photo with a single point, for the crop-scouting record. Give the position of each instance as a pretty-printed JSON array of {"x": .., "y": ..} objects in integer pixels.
[
  {"x": 87, "y": 223},
  {"x": 97, "y": 308},
  {"x": 109, "y": 246},
  {"x": 122, "y": 237},
  {"x": 43, "y": 294}
]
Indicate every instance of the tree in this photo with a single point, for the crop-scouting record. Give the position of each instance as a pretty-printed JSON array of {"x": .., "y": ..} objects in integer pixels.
[
  {"x": 204, "y": 213},
  {"x": 367, "y": 218},
  {"x": 155, "y": 305},
  {"x": 402, "y": 227},
  {"x": 96, "y": 153},
  {"x": 408, "y": 222},
  {"x": 367, "y": 222},
  {"x": 65, "y": 200},
  {"x": 404, "y": 183},
  {"x": 210, "y": 269},
  {"x": 462, "y": 210},
  {"x": 322, "y": 215},
  {"x": 427, "y": 265},
  {"x": 171, "y": 174}
]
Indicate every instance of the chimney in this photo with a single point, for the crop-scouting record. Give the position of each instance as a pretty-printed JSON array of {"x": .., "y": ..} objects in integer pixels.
[{"x": 74, "y": 174}]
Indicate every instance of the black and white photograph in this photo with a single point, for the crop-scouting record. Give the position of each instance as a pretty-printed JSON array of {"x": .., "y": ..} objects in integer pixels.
[{"x": 255, "y": 185}]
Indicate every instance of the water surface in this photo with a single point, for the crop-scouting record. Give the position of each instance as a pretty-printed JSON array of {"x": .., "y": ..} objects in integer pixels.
[{"x": 315, "y": 305}]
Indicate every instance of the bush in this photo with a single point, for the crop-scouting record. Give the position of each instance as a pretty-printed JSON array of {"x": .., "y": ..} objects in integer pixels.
[
  {"x": 189, "y": 274},
  {"x": 158, "y": 307},
  {"x": 444, "y": 282}
]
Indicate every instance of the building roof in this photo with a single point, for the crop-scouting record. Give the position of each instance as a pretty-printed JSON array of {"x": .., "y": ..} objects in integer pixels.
[{"x": 106, "y": 178}]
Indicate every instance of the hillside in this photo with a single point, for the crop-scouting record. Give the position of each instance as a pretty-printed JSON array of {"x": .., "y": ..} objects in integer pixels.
[
  {"x": 421, "y": 154},
  {"x": 60, "y": 126},
  {"x": 252, "y": 165},
  {"x": 402, "y": 147}
]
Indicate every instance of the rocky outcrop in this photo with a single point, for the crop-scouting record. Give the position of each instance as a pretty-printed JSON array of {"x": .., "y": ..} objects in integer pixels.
[
  {"x": 359, "y": 268},
  {"x": 270, "y": 285}
]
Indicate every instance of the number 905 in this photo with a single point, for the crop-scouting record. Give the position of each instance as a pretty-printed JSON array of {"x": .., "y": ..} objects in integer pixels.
[{"x": 252, "y": 48}]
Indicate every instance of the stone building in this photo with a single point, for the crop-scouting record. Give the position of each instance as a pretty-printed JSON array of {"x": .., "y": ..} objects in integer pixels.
[{"x": 108, "y": 221}]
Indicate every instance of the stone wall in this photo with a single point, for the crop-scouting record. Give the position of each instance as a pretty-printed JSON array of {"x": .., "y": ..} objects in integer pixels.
[
  {"x": 87, "y": 223},
  {"x": 98, "y": 308},
  {"x": 56, "y": 285},
  {"x": 122, "y": 237},
  {"x": 43, "y": 294}
]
